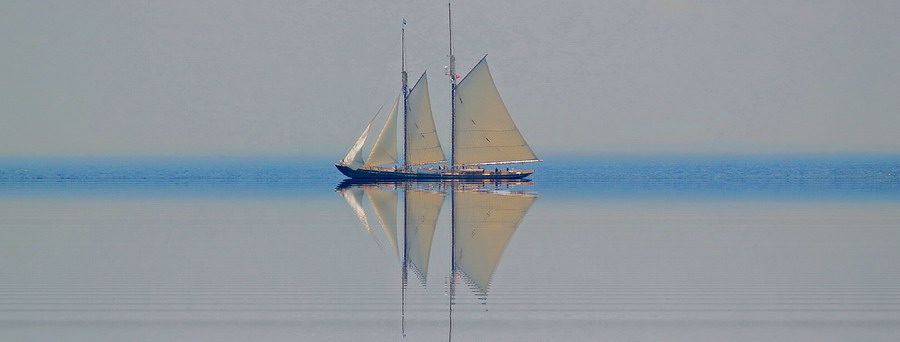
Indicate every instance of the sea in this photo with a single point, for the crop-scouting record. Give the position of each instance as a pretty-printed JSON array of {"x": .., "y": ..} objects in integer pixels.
[{"x": 652, "y": 248}]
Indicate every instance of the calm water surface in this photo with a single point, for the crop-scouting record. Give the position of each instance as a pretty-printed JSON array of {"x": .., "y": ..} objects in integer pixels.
[{"x": 612, "y": 249}]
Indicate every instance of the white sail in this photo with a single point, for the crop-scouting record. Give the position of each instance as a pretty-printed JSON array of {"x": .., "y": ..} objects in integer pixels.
[
  {"x": 385, "y": 205},
  {"x": 422, "y": 211},
  {"x": 353, "y": 195},
  {"x": 385, "y": 149},
  {"x": 353, "y": 159},
  {"x": 423, "y": 146},
  {"x": 484, "y": 133},
  {"x": 484, "y": 222}
]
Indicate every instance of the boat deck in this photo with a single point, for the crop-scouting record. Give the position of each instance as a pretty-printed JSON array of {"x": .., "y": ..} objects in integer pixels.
[{"x": 432, "y": 173}]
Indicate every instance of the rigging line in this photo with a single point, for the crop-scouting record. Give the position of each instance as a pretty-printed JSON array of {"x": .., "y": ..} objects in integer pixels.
[
  {"x": 429, "y": 63},
  {"x": 379, "y": 109},
  {"x": 421, "y": 36},
  {"x": 381, "y": 78},
  {"x": 375, "y": 117},
  {"x": 378, "y": 86},
  {"x": 424, "y": 41},
  {"x": 437, "y": 61}
]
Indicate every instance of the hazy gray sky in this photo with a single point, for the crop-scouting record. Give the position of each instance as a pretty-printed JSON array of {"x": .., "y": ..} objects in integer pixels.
[{"x": 303, "y": 77}]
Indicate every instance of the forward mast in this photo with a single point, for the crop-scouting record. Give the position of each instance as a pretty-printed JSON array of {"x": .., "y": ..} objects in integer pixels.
[{"x": 405, "y": 89}]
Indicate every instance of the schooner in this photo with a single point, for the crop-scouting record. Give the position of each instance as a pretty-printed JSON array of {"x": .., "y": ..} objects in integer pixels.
[{"x": 482, "y": 132}]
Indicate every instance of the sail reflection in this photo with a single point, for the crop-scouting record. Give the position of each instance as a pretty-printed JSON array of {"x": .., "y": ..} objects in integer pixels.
[
  {"x": 483, "y": 224},
  {"x": 385, "y": 204},
  {"x": 483, "y": 219},
  {"x": 422, "y": 210}
]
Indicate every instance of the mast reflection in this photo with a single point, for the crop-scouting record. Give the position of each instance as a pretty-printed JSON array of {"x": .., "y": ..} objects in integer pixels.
[{"x": 484, "y": 217}]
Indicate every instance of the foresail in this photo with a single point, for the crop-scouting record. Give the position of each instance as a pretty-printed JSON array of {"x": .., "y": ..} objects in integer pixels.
[
  {"x": 385, "y": 149},
  {"x": 484, "y": 222},
  {"x": 385, "y": 204},
  {"x": 484, "y": 131},
  {"x": 422, "y": 143},
  {"x": 422, "y": 211},
  {"x": 354, "y": 158}
]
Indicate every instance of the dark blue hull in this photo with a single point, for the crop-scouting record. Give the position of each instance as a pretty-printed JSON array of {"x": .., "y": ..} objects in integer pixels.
[{"x": 442, "y": 175}]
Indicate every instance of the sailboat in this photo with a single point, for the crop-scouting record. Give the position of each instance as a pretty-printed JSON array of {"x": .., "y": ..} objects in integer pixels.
[{"x": 482, "y": 132}]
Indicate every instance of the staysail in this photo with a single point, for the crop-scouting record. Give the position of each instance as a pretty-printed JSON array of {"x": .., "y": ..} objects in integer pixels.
[
  {"x": 385, "y": 204},
  {"x": 484, "y": 223},
  {"x": 484, "y": 132},
  {"x": 423, "y": 146},
  {"x": 422, "y": 211},
  {"x": 353, "y": 159},
  {"x": 385, "y": 149}
]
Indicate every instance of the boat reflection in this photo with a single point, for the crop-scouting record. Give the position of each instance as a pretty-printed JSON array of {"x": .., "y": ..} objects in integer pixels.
[{"x": 484, "y": 216}]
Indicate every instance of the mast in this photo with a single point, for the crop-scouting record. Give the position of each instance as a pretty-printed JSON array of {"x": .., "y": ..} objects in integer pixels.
[
  {"x": 404, "y": 86},
  {"x": 452, "y": 70}
]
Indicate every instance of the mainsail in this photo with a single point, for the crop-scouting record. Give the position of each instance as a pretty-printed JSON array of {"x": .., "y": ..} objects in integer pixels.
[
  {"x": 385, "y": 149},
  {"x": 484, "y": 133},
  {"x": 385, "y": 205},
  {"x": 354, "y": 159},
  {"x": 423, "y": 146},
  {"x": 484, "y": 223},
  {"x": 422, "y": 211}
]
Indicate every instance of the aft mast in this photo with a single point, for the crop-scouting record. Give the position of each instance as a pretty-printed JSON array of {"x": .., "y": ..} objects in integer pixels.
[
  {"x": 482, "y": 131},
  {"x": 452, "y": 71}
]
